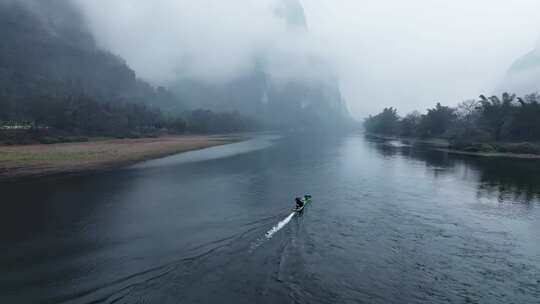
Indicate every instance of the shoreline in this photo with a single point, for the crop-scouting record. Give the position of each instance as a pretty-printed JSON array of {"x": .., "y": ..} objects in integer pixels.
[
  {"x": 25, "y": 162},
  {"x": 492, "y": 154},
  {"x": 443, "y": 145}
]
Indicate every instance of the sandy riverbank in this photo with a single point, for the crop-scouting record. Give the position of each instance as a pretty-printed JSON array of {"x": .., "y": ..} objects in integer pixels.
[{"x": 27, "y": 161}]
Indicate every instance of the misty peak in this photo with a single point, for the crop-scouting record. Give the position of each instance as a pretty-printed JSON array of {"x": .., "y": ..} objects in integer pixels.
[
  {"x": 292, "y": 12},
  {"x": 523, "y": 74}
]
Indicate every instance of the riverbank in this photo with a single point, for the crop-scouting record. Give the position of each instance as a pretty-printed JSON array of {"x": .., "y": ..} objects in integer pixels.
[
  {"x": 523, "y": 150},
  {"x": 39, "y": 160}
]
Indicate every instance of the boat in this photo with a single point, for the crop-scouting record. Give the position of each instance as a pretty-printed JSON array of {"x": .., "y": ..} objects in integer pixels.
[{"x": 306, "y": 199}]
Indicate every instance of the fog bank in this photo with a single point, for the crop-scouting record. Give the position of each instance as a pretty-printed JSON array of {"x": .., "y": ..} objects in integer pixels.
[
  {"x": 385, "y": 53},
  {"x": 165, "y": 40},
  {"x": 411, "y": 54}
]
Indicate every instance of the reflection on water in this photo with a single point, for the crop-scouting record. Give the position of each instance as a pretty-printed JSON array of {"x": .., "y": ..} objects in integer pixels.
[
  {"x": 389, "y": 223},
  {"x": 505, "y": 179}
]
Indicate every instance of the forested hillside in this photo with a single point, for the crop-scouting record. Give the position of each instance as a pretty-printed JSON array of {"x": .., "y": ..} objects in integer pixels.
[
  {"x": 57, "y": 85},
  {"x": 296, "y": 103},
  {"x": 46, "y": 50},
  {"x": 54, "y": 76}
]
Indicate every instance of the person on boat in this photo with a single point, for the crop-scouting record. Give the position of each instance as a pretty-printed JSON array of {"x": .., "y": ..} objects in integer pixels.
[{"x": 299, "y": 203}]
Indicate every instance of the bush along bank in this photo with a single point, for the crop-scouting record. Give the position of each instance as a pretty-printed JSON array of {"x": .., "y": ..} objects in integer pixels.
[{"x": 508, "y": 124}]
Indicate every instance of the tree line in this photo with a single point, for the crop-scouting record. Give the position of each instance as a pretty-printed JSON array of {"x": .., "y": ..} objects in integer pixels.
[
  {"x": 487, "y": 119},
  {"x": 54, "y": 119},
  {"x": 57, "y": 85}
]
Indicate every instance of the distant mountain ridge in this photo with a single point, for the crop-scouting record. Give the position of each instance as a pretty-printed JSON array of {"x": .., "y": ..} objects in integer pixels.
[
  {"x": 293, "y": 12},
  {"x": 47, "y": 50},
  {"x": 292, "y": 103},
  {"x": 523, "y": 77}
]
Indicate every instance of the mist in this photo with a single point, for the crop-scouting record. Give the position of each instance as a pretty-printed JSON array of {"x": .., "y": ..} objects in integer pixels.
[
  {"x": 269, "y": 151},
  {"x": 415, "y": 53},
  {"x": 167, "y": 40},
  {"x": 384, "y": 53}
]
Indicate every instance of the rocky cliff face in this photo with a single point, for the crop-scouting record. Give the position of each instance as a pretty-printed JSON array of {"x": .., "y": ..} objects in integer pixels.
[{"x": 286, "y": 103}]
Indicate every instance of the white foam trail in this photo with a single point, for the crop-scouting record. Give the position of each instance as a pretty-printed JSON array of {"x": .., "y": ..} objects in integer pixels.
[
  {"x": 279, "y": 225},
  {"x": 270, "y": 233}
]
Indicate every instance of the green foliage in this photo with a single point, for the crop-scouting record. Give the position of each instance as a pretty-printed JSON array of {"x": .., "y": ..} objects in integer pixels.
[
  {"x": 437, "y": 121},
  {"x": 48, "y": 119},
  {"x": 178, "y": 125},
  {"x": 53, "y": 54},
  {"x": 525, "y": 123},
  {"x": 497, "y": 114},
  {"x": 410, "y": 124},
  {"x": 386, "y": 122},
  {"x": 472, "y": 124}
]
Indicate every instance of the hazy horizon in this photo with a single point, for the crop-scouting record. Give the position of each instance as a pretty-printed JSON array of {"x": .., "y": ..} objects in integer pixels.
[{"x": 384, "y": 53}]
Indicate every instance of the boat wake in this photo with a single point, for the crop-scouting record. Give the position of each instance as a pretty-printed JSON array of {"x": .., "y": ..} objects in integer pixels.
[
  {"x": 279, "y": 226},
  {"x": 271, "y": 232}
]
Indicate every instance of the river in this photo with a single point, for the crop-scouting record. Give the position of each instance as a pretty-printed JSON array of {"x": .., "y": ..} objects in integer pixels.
[{"x": 389, "y": 223}]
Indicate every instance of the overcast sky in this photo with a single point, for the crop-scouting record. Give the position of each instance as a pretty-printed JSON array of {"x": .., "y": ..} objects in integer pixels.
[
  {"x": 407, "y": 54},
  {"x": 412, "y": 53}
]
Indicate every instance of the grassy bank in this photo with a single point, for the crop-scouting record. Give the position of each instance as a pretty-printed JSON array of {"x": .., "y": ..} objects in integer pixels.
[
  {"x": 436, "y": 142},
  {"x": 23, "y": 161},
  {"x": 486, "y": 149},
  {"x": 497, "y": 149}
]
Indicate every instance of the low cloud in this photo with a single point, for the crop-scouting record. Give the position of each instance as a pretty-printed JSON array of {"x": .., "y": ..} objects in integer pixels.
[
  {"x": 408, "y": 54},
  {"x": 411, "y": 54},
  {"x": 164, "y": 40}
]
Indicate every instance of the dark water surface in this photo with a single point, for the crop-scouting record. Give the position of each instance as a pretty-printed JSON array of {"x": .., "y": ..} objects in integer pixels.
[{"x": 389, "y": 223}]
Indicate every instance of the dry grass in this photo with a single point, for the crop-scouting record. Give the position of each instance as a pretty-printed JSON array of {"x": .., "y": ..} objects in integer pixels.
[{"x": 38, "y": 160}]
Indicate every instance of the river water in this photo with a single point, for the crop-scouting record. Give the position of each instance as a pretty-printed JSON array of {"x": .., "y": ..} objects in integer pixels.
[{"x": 389, "y": 223}]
